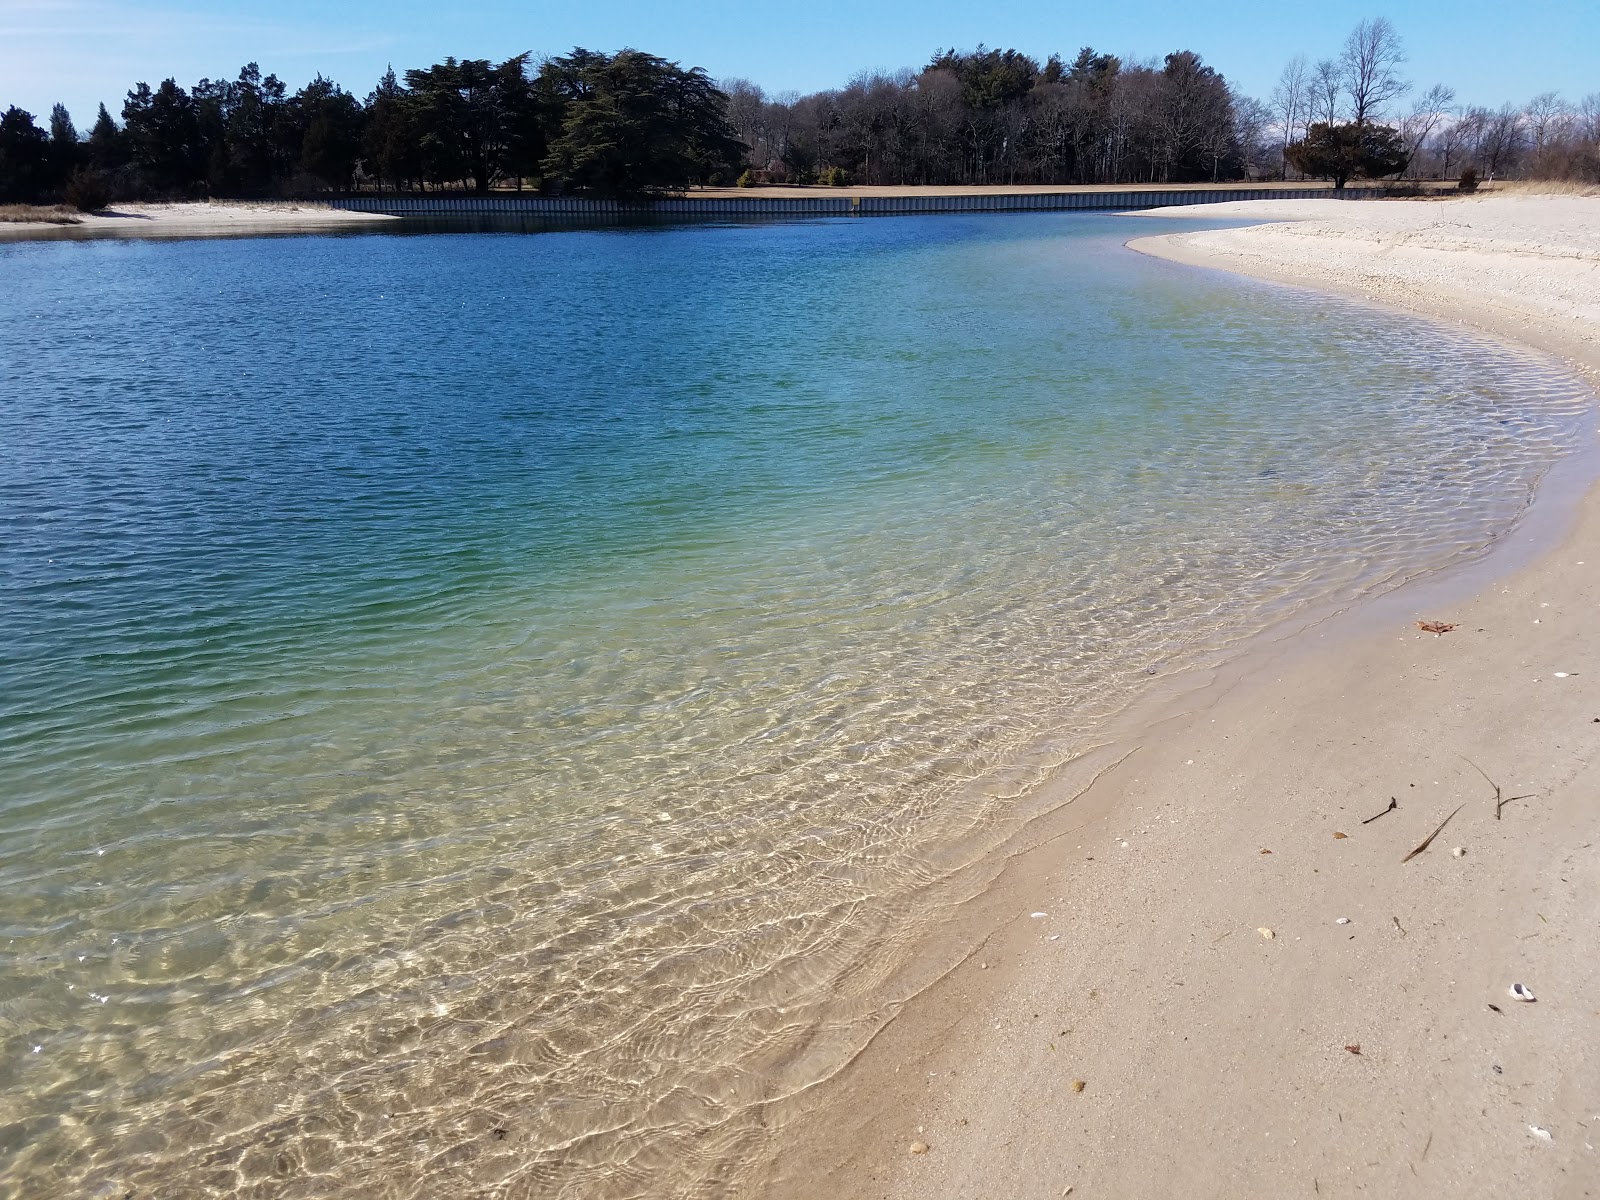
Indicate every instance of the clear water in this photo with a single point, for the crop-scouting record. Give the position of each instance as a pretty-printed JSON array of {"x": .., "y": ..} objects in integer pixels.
[{"x": 485, "y": 714}]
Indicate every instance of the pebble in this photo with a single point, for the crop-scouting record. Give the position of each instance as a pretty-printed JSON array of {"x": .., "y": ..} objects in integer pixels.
[
  {"x": 1342, "y": 921},
  {"x": 1540, "y": 1131},
  {"x": 919, "y": 1147},
  {"x": 1459, "y": 852},
  {"x": 1266, "y": 933},
  {"x": 1079, "y": 1084}
]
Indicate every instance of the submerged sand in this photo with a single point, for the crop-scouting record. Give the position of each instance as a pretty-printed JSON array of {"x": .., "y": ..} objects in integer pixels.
[
  {"x": 1523, "y": 267},
  {"x": 1221, "y": 977},
  {"x": 196, "y": 219}
]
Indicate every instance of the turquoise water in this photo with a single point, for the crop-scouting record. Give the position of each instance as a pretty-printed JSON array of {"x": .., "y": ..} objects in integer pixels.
[{"x": 485, "y": 713}]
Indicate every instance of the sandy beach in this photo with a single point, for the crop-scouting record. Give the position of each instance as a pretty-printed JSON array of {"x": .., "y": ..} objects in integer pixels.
[
  {"x": 194, "y": 220},
  {"x": 1219, "y": 971}
]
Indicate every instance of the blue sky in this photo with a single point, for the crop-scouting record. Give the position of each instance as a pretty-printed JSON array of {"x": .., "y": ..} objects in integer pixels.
[{"x": 84, "y": 51}]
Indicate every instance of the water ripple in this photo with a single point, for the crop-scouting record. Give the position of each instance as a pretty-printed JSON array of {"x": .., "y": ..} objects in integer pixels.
[{"x": 486, "y": 715}]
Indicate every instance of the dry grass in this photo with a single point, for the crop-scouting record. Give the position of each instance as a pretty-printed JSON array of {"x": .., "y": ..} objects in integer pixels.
[
  {"x": 1538, "y": 187},
  {"x": 39, "y": 214}
]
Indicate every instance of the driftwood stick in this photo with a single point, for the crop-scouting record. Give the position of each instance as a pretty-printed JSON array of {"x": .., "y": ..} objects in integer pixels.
[
  {"x": 1393, "y": 804},
  {"x": 1429, "y": 840},
  {"x": 1499, "y": 802}
]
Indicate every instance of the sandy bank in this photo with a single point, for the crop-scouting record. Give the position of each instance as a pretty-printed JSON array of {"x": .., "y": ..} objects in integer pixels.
[
  {"x": 1379, "y": 1057},
  {"x": 194, "y": 220},
  {"x": 1524, "y": 267}
]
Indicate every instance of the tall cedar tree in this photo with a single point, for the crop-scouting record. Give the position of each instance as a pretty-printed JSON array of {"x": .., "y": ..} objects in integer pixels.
[
  {"x": 473, "y": 120},
  {"x": 633, "y": 125}
]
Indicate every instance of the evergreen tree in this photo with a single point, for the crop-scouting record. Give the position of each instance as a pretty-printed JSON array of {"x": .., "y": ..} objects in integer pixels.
[
  {"x": 107, "y": 151},
  {"x": 163, "y": 134},
  {"x": 634, "y": 125},
  {"x": 522, "y": 127},
  {"x": 66, "y": 152},
  {"x": 1339, "y": 152},
  {"x": 24, "y": 158},
  {"x": 263, "y": 146},
  {"x": 332, "y": 122},
  {"x": 388, "y": 140}
]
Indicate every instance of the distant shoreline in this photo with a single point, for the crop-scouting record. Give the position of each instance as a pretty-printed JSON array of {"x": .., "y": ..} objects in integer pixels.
[{"x": 232, "y": 218}]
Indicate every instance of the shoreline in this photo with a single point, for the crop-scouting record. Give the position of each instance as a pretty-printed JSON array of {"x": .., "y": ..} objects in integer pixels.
[
  {"x": 258, "y": 218},
  {"x": 195, "y": 219},
  {"x": 1216, "y": 1060}
]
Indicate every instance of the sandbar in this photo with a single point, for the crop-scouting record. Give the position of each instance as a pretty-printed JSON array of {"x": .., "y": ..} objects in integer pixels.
[{"x": 197, "y": 219}]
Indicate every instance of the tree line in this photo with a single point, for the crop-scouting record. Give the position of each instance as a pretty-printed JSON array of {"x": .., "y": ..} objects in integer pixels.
[
  {"x": 1002, "y": 117},
  {"x": 633, "y": 125},
  {"x": 627, "y": 124}
]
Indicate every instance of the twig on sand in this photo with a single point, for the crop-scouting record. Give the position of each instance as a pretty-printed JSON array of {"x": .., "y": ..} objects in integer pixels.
[
  {"x": 1393, "y": 804},
  {"x": 1500, "y": 799},
  {"x": 1429, "y": 840}
]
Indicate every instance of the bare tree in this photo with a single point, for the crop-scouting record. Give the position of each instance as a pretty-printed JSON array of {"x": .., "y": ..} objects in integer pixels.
[
  {"x": 1417, "y": 126},
  {"x": 1492, "y": 140},
  {"x": 1589, "y": 117},
  {"x": 1371, "y": 60},
  {"x": 1251, "y": 122},
  {"x": 746, "y": 108},
  {"x": 1327, "y": 87},
  {"x": 1290, "y": 101},
  {"x": 1545, "y": 113},
  {"x": 1450, "y": 147}
]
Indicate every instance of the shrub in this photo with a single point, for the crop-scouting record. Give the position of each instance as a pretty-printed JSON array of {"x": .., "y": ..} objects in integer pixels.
[
  {"x": 835, "y": 177},
  {"x": 88, "y": 191},
  {"x": 746, "y": 180},
  {"x": 1468, "y": 181}
]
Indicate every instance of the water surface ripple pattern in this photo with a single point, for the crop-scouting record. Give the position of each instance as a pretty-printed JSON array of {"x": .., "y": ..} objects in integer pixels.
[{"x": 485, "y": 714}]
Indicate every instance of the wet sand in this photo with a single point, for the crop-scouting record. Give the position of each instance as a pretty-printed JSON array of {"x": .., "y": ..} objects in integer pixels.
[{"x": 1128, "y": 950}]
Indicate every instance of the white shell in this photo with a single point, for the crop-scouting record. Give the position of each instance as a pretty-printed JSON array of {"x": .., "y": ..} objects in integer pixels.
[{"x": 1520, "y": 992}]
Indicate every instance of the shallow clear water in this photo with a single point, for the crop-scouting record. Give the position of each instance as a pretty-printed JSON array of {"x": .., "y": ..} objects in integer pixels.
[{"x": 484, "y": 714}]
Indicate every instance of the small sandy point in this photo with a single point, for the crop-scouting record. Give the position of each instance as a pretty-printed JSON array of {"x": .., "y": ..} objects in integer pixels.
[
  {"x": 196, "y": 219},
  {"x": 1220, "y": 1059}
]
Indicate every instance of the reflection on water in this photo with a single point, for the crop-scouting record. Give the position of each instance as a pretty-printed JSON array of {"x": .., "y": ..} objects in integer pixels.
[{"x": 486, "y": 714}]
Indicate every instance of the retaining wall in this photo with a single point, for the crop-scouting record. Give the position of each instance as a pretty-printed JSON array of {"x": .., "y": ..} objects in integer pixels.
[{"x": 756, "y": 205}]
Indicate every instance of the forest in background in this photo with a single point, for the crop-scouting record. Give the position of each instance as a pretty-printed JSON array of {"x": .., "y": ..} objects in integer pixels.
[{"x": 633, "y": 125}]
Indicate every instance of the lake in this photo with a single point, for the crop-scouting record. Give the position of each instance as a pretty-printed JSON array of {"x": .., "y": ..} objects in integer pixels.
[{"x": 493, "y": 711}]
